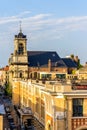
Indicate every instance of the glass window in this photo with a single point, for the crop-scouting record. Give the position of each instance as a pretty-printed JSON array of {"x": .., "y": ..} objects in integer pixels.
[
  {"x": 77, "y": 107},
  {"x": 46, "y": 76},
  {"x": 60, "y": 76}
]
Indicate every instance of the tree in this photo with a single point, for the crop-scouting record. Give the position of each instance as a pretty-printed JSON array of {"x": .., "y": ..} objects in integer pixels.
[{"x": 8, "y": 89}]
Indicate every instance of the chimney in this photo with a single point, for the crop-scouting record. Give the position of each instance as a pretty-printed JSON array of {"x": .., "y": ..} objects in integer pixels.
[
  {"x": 76, "y": 59},
  {"x": 49, "y": 65}
]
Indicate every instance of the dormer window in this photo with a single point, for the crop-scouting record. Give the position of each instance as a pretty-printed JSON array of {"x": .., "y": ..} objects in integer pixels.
[{"x": 20, "y": 49}]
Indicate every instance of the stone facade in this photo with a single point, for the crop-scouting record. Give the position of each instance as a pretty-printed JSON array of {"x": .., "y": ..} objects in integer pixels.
[
  {"x": 52, "y": 103},
  {"x": 82, "y": 72},
  {"x": 4, "y": 75},
  {"x": 18, "y": 62},
  {"x": 51, "y": 100}
]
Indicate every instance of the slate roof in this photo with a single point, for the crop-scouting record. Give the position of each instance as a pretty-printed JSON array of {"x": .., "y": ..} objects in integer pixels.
[
  {"x": 69, "y": 62},
  {"x": 41, "y": 58},
  {"x": 20, "y": 35}
]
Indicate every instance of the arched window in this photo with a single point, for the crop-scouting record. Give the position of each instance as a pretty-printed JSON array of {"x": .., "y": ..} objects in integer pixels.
[{"x": 20, "y": 48}]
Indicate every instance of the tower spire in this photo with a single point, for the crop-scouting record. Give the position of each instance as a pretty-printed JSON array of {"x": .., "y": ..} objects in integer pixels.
[{"x": 20, "y": 27}]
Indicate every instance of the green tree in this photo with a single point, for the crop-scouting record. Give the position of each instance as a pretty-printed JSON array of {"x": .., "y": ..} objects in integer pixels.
[{"x": 8, "y": 89}]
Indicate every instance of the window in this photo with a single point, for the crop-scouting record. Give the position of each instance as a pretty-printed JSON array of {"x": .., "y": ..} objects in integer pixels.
[
  {"x": 46, "y": 76},
  {"x": 20, "y": 48},
  {"x": 21, "y": 75},
  {"x": 77, "y": 107},
  {"x": 42, "y": 109},
  {"x": 60, "y": 76},
  {"x": 49, "y": 127},
  {"x": 37, "y": 105}
]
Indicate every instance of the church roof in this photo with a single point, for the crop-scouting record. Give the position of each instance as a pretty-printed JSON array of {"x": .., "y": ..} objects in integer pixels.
[
  {"x": 20, "y": 34},
  {"x": 41, "y": 58}
]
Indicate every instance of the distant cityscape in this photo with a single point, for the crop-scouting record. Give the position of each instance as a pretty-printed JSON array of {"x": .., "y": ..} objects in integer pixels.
[{"x": 39, "y": 90}]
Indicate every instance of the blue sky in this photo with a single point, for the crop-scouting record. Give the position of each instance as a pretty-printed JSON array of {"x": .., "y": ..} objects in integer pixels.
[{"x": 50, "y": 25}]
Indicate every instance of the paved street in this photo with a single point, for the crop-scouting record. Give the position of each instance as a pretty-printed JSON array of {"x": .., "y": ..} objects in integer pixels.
[
  {"x": 4, "y": 100},
  {"x": 12, "y": 112},
  {"x": 14, "y": 116}
]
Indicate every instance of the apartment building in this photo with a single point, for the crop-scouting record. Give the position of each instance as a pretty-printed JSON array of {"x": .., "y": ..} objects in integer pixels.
[
  {"x": 57, "y": 105},
  {"x": 4, "y": 75}
]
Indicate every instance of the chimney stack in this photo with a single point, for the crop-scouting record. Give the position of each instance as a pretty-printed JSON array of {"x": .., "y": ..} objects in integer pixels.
[{"x": 49, "y": 65}]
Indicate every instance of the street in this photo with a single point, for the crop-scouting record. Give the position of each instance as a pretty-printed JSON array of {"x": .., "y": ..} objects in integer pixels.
[{"x": 11, "y": 120}]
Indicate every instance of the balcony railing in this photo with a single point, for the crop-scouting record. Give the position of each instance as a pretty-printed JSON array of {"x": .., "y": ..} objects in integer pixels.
[{"x": 78, "y": 122}]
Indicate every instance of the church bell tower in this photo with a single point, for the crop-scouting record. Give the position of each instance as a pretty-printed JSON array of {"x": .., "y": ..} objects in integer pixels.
[{"x": 19, "y": 58}]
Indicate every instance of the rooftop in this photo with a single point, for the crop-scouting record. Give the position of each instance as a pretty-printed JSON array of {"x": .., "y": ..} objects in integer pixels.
[{"x": 41, "y": 58}]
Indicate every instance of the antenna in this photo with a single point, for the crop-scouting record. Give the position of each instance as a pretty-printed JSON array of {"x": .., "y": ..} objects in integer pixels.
[{"x": 20, "y": 27}]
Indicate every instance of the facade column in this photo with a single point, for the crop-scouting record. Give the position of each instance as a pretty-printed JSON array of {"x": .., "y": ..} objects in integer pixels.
[{"x": 69, "y": 113}]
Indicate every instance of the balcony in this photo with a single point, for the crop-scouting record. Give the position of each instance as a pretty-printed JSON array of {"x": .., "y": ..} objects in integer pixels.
[
  {"x": 25, "y": 112},
  {"x": 79, "y": 122}
]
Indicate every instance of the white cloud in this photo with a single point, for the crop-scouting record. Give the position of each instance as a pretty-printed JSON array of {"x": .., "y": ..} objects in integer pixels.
[
  {"x": 38, "y": 27},
  {"x": 45, "y": 21},
  {"x": 42, "y": 25}
]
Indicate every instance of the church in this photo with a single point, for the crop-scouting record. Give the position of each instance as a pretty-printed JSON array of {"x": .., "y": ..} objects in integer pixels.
[
  {"x": 25, "y": 64},
  {"x": 27, "y": 69}
]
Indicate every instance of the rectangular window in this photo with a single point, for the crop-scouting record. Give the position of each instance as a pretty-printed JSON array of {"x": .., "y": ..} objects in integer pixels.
[
  {"x": 77, "y": 107},
  {"x": 46, "y": 76},
  {"x": 60, "y": 76},
  {"x": 43, "y": 111},
  {"x": 38, "y": 105}
]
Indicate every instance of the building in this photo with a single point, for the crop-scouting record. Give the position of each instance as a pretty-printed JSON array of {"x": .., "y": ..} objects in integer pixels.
[
  {"x": 2, "y": 114},
  {"x": 38, "y": 80},
  {"x": 25, "y": 64},
  {"x": 18, "y": 61},
  {"x": 82, "y": 72},
  {"x": 4, "y": 75},
  {"x": 55, "y": 104}
]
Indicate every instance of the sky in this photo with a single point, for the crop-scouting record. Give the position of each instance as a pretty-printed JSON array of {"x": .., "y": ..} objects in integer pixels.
[{"x": 50, "y": 25}]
